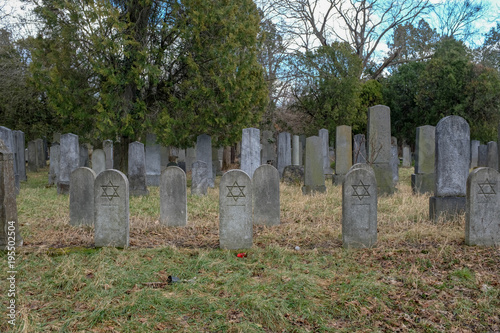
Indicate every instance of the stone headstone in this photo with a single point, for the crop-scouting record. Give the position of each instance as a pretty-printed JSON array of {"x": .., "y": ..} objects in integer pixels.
[
  {"x": 98, "y": 161},
  {"x": 359, "y": 209},
  {"x": 190, "y": 158},
  {"x": 302, "y": 149},
  {"x": 492, "y": 155},
  {"x": 217, "y": 162},
  {"x": 137, "y": 169},
  {"x": 32, "y": 161},
  {"x": 482, "y": 156},
  {"x": 8, "y": 205},
  {"x": 362, "y": 166},
  {"x": 55, "y": 155},
  {"x": 204, "y": 154},
  {"x": 235, "y": 211},
  {"x": 266, "y": 196},
  {"x": 284, "y": 151},
  {"x": 173, "y": 197},
  {"x": 268, "y": 148},
  {"x": 56, "y": 137},
  {"x": 482, "y": 222},
  {"x": 81, "y": 197},
  {"x": 295, "y": 150},
  {"x": 343, "y": 153},
  {"x": 423, "y": 180},
  {"x": 164, "y": 156},
  {"x": 19, "y": 156},
  {"x": 325, "y": 143},
  {"x": 182, "y": 156},
  {"x": 40, "y": 154},
  {"x": 406, "y": 156},
  {"x": 250, "y": 150},
  {"x": 474, "y": 145},
  {"x": 84, "y": 155},
  {"x": 107, "y": 147},
  {"x": 359, "y": 149},
  {"x": 7, "y": 136},
  {"x": 199, "y": 179},
  {"x": 153, "y": 161},
  {"x": 111, "y": 200},
  {"x": 69, "y": 160},
  {"x": 293, "y": 175},
  {"x": 394, "y": 160},
  {"x": 379, "y": 147},
  {"x": 451, "y": 167},
  {"x": 314, "y": 177},
  {"x": 226, "y": 158}
]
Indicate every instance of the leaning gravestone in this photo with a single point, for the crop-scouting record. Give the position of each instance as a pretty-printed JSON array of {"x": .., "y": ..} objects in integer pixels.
[
  {"x": 98, "y": 161},
  {"x": 40, "y": 154},
  {"x": 204, "y": 154},
  {"x": 359, "y": 149},
  {"x": 492, "y": 155},
  {"x": 266, "y": 196},
  {"x": 81, "y": 197},
  {"x": 84, "y": 155},
  {"x": 173, "y": 197},
  {"x": 32, "y": 162},
  {"x": 235, "y": 211},
  {"x": 111, "y": 200},
  {"x": 20, "y": 160},
  {"x": 343, "y": 153},
  {"x": 482, "y": 225},
  {"x": 452, "y": 168},
  {"x": 474, "y": 145},
  {"x": 55, "y": 155},
  {"x": 69, "y": 160},
  {"x": 284, "y": 151},
  {"x": 359, "y": 209},
  {"x": 482, "y": 156},
  {"x": 8, "y": 206},
  {"x": 199, "y": 178},
  {"x": 107, "y": 147},
  {"x": 137, "y": 169},
  {"x": 153, "y": 161},
  {"x": 314, "y": 177},
  {"x": 422, "y": 181},
  {"x": 250, "y": 150}
]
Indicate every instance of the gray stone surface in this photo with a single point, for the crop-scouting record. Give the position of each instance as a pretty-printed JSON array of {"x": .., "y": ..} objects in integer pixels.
[
  {"x": 325, "y": 144},
  {"x": 137, "y": 169},
  {"x": 204, "y": 154},
  {"x": 302, "y": 149},
  {"x": 314, "y": 177},
  {"x": 199, "y": 178},
  {"x": 19, "y": 155},
  {"x": 268, "y": 148},
  {"x": 164, "y": 155},
  {"x": 7, "y": 136},
  {"x": 266, "y": 196},
  {"x": 394, "y": 161},
  {"x": 69, "y": 160},
  {"x": 295, "y": 150},
  {"x": 422, "y": 183},
  {"x": 446, "y": 208},
  {"x": 32, "y": 162},
  {"x": 81, "y": 197},
  {"x": 482, "y": 156},
  {"x": 56, "y": 137},
  {"x": 98, "y": 161},
  {"x": 293, "y": 175},
  {"x": 343, "y": 153},
  {"x": 250, "y": 150},
  {"x": 474, "y": 145},
  {"x": 107, "y": 147},
  {"x": 235, "y": 211},
  {"x": 84, "y": 155},
  {"x": 111, "y": 200},
  {"x": 190, "y": 158},
  {"x": 406, "y": 157},
  {"x": 359, "y": 149},
  {"x": 359, "y": 209},
  {"x": 425, "y": 148},
  {"x": 55, "y": 155},
  {"x": 492, "y": 155},
  {"x": 153, "y": 161},
  {"x": 40, "y": 154},
  {"x": 173, "y": 197},
  {"x": 284, "y": 151},
  {"x": 362, "y": 166},
  {"x": 8, "y": 205},
  {"x": 182, "y": 156},
  {"x": 482, "y": 218}
]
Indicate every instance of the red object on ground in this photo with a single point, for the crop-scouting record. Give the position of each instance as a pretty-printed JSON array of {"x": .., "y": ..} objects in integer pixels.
[{"x": 241, "y": 255}]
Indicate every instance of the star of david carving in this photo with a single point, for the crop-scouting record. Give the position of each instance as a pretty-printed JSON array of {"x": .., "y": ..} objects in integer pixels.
[
  {"x": 109, "y": 187},
  {"x": 360, "y": 190},
  {"x": 238, "y": 191},
  {"x": 487, "y": 188}
]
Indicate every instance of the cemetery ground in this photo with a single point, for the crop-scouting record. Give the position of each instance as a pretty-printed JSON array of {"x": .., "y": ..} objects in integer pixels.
[{"x": 419, "y": 277}]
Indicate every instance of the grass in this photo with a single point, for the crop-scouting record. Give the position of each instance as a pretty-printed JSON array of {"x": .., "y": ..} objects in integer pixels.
[{"x": 420, "y": 277}]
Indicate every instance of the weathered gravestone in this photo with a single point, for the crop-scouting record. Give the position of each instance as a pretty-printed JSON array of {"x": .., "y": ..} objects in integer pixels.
[
  {"x": 474, "y": 145},
  {"x": 482, "y": 218},
  {"x": 325, "y": 143},
  {"x": 107, "y": 147},
  {"x": 40, "y": 154},
  {"x": 69, "y": 160},
  {"x": 10, "y": 236},
  {"x": 406, "y": 156},
  {"x": 482, "y": 156},
  {"x": 343, "y": 153},
  {"x": 235, "y": 211},
  {"x": 98, "y": 161},
  {"x": 314, "y": 177},
  {"x": 137, "y": 169},
  {"x": 7, "y": 136},
  {"x": 153, "y": 161},
  {"x": 55, "y": 155},
  {"x": 268, "y": 148},
  {"x": 359, "y": 209},
  {"x": 394, "y": 160},
  {"x": 173, "y": 197},
  {"x": 250, "y": 150},
  {"x": 284, "y": 151},
  {"x": 362, "y": 166},
  {"x": 451, "y": 168},
  {"x": 302, "y": 149},
  {"x": 204, "y": 154},
  {"x": 359, "y": 149},
  {"x": 81, "y": 197},
  {"x": 19, "y": 156},
  {"x": 266, "y": 196},
  {"x": 295, "y": 150},
  {"x": 32, "y": 162},
  {"x": 422, "y": 181},
  {"x": 84, "y": 155},
  {"x": 199, "y": 178},
  {"x": 492, "y": 155},
  {"x": 111, "y": 200}
]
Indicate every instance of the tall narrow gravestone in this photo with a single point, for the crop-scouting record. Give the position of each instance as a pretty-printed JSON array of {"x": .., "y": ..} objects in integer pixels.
[
  {"x": 284, "y": 151},
  {"x": 19, "y": 156},
  {"x": 325, "y": 143},
  {"x": 81, "y": 197},
  {"x": 111, "y": 200},
  {"x": 482, "y": 218},
  {"x": 107, "y": 147},
  {"x": 84, "y": 155},
  {"x": 7, "y": 136},
  {"x": 235, "y": 211},
  {"x": 153, "y": 161},
  {"x": 173, "y": 197},
  {"x": 359, "y": 209},
  {"x": 32, "y": 162},
  {"x": 452, "y": 168},
  {"x": 69, "y": 160},
  {"x": 343, "y": 153},
  {"x": 199, "y": 178},
  {"x": 359, "y": 149},
  {"x": 40, "y": 154},
  {"x": 474, "y": 145},
  {"x": 250, "y": 150},
  {"x": 406, "y": 156},
  {"x": 422, "y": 181},
  {"x": 268, "y": 148},
  {"x": 314, "y": 178},
  {"x": 295, "y": 150},
  {"x": 204, "y": 154},
  {"x": 394, "y": 160},
  {"x": 9, "y": 228},
  {"x": 482, "y": 156},
  {"x": 55, "y": 155},
  {"x": 266, "y": 195},
  {"x": 492, "y": 155},
  {"x": 98, "y": 161},
  {"x": 137, "y": 169}
]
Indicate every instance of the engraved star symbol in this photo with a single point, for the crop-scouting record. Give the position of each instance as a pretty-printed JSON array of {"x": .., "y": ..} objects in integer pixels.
[
  {"x": 363, "y": 190},
  {"x": 105, "y": 189},
  {"x": 238, "y": 195},
  {"x": 487, "y": 188}
]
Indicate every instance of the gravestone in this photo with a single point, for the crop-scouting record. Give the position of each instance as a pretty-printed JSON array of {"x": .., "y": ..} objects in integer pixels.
[
  {"x": 137, "y": 169},
  {"x": 266, "y": 196},
  {"x": 32, "y": 161},
  {"x": 314, "y": 177},
  {"x": 69, "y": 160},
  {"x": 268, "y": 148},
  {"x": 8, "y": 205},
  {"x": 362, "y": 166},
  {"x": 19, "y": 156},
  {"x": 492, "y": 155},
  {"x": 199, "y": 178},
  {"x": 119, "y": 161},
  {"x": 40, "y": 154},
  {"x": 55, "y": 155},
  {"x": 153, "y": 161},
  {"x": 84, "y": 155},
  {"x": 8, "y": 138},
  {"x": 379, "y": 147},
  {"x": 482, "y": 156},
  {"x": 173, "y": 197},
  {"x": 482, "y": 223},
  {"x": 111, "y": 200},
  {"x": 359, "y": 209},
  {"x": 235, "y": 211},
  {"x": 226, "y": 158},
  {"x": 406, "y": 156},
  {"x": 394, "y": 160},
  {"x": 293, "y": 175},
  {"x": 343, "y": 153},
  {"x": 182, "y": 156},
  {"x": 204, "y": 154},
  {"x": 451, "y": 167},
  {"x": 56, "y": 137},
  {"x": 190, "y": 158},
  {"x": 98, "y": 161},
  {"x": 284, "y": 151},
  {"x": 81, "y": 197},
  {"x": 359, "y": 149},
  {"x": 295, "y": 150},
  {"x": 164, "y": 155},
  {"x": 250, "y": 150},
  {"x": 323, "y": 134},
  {"x": 474, "y": 145},
  {"x": 302, "y": 149},
  {"x": 423, "y": 180},
  {"x": 107, "y": 147}
]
